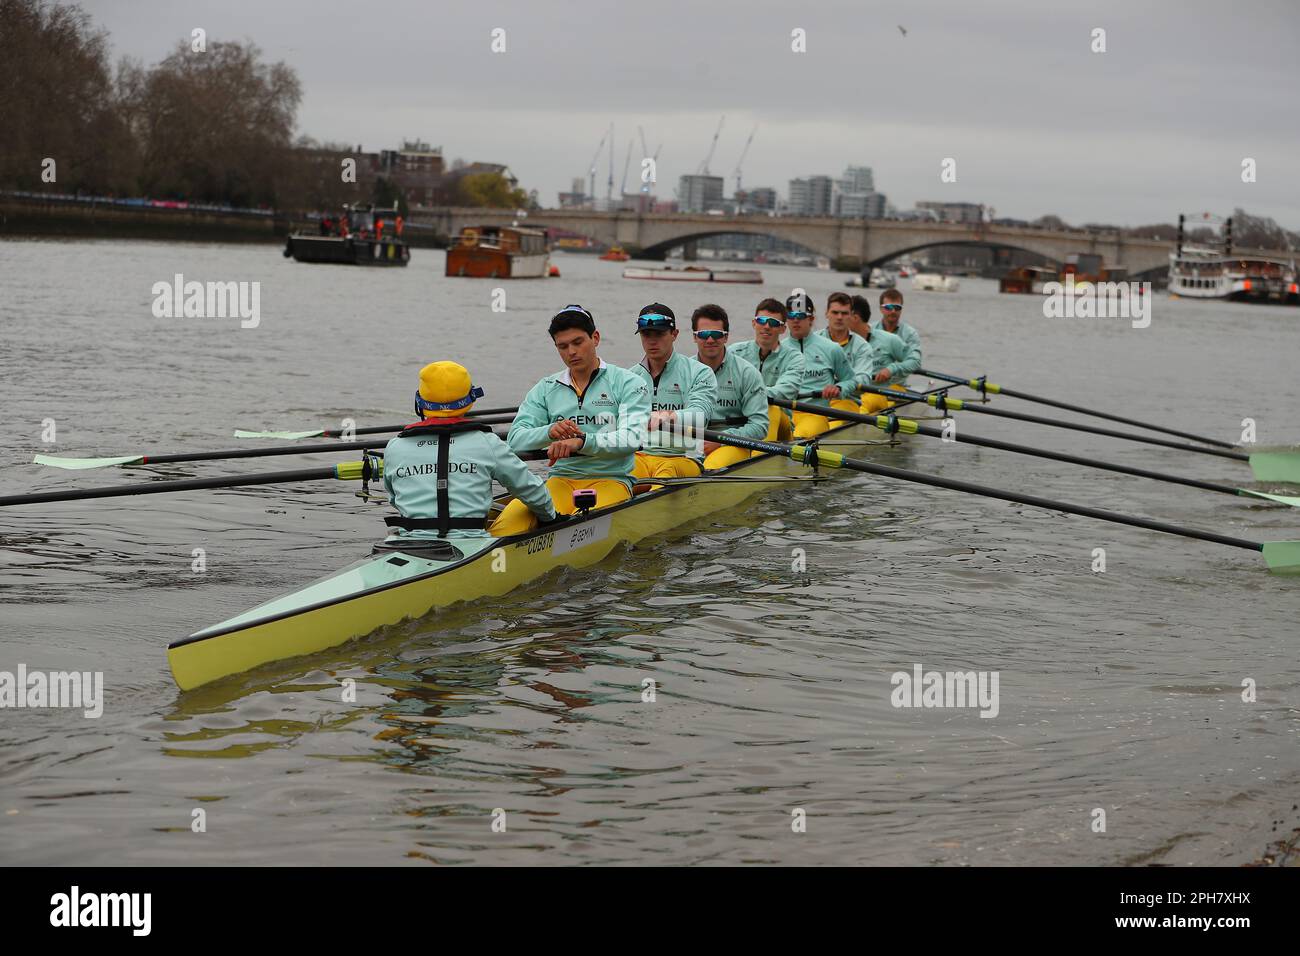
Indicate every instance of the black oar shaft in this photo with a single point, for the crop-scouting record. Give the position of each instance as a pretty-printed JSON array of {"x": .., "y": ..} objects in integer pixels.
[
  {"x": 182, "y": 484},
  {"x": 1078, "y": 427},
  {"x": 1082, "y": 409},
  {"x": 258, "y": 451},
  {"x": 968, "y": 439},
  {"x": 901, "y": 474},
  {"x": 490, "y": 416}
]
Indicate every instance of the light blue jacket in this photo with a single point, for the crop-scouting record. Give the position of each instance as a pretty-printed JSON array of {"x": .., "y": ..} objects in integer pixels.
[
  {"x": 688, "y": 388},
  {"x": 611, "y": 413},
  {"x": 824, "y": 363},
  {"x": 741, "y": 394},
  {"x": 475, "y": 459}
]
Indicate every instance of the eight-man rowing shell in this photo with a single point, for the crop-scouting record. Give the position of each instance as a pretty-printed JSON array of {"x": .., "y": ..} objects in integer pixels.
[{"x": 393, "y": 586}]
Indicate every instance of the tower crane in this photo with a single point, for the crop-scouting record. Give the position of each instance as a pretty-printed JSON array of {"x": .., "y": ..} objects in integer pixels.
[
  {"x": 591, "y": 171},
  {"x": 743, "y": 153},
  {"x": 704, "y": 166},
  {"x": 622, "y": 190}
]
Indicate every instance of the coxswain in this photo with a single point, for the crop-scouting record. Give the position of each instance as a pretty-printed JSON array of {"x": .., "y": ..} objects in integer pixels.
[
  {"x": 439, "y": 471},
  {"x": 590, "y": 418},
  {"x": 888, "y": 351},
  {"x": 740, "y": 407},
  {"x": 780, "y": 365},
  {"x": 682, "y": 392},
  {"x": 827, "y": 374}
]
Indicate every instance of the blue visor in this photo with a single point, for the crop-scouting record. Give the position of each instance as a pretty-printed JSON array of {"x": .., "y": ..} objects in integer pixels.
[{"x": 421, "y": 405}]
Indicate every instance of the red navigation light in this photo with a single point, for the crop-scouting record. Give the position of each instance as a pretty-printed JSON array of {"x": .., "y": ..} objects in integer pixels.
[{"x": 1245, "y": 286}]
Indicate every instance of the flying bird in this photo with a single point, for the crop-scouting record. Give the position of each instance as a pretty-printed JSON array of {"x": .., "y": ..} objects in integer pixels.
[{"x": 902, "y": 31}]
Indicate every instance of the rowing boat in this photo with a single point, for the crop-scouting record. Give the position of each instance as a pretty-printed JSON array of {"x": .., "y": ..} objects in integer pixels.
[{"x": 393, "y": 585}]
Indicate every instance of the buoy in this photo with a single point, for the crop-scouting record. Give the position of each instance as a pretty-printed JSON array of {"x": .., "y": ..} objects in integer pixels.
[{"x": 555, "y": 272}]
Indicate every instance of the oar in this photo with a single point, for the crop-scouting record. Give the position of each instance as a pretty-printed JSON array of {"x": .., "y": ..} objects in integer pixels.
[
  {"x": 256, "y": 452},
  {"x": 78, "y": 464},
  {"x": 503, "y": 415},
  {"x": 892, "y": 423},
  {"x": 982, "y": 384},
  {"x": 348, "y": 471},
  {"x": 1267, "y": 466},
  {"x": 1277, "y": 554}
]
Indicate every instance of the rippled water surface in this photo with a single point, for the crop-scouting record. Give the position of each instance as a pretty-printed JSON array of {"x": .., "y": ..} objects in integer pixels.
[{"x": 1119, "y": 690}]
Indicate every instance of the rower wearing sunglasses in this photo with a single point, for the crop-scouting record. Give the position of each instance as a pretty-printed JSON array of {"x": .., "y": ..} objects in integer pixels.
[
  {"x": 780, "y": 365},
  {"x": 682, "y": 392},
  {"x": 741, "y": 405},
  {"x": 827, "y": 374},
  {"x": 891, "y": 320}
]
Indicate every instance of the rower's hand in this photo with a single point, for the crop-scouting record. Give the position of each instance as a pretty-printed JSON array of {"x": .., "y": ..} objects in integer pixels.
[
  {"x": 565, "y": 428},
  {"x": 831, "y": 391},
  {"x": 881, "y": 377},
  {"x": 711, "y": 446},
  {"x": 661, "y": 419},
  {"x": 564, "y": 448}
]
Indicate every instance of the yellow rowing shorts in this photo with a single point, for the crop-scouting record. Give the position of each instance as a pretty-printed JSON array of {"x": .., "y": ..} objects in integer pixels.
[
  {"x": 873, "y": 403},
  {"x": 648, "y": 467},
  {"x": 779, "y": 427},
  {"x": 807, "y": 425},
  {"x": 844, "y": 405},
  {"x": 725, "y": 457},
  {"x": 518, "y": 518}
]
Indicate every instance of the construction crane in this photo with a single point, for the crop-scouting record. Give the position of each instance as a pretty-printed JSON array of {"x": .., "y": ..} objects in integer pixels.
[
  {"x": 743, "y": 153},
  {"x": 704, "y": 166},
  {"x": 609, "y": 188},
  {"x": 622, "y": 190},
  {"x": 591, "y": 170}
]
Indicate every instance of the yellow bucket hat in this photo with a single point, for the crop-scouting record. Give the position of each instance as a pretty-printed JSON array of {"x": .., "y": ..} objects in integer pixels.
[{"x": 445, "y": 391}]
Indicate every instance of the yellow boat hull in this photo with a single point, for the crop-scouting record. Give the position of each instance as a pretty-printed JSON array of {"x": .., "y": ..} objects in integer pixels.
[{"x": 391, "y": 587}]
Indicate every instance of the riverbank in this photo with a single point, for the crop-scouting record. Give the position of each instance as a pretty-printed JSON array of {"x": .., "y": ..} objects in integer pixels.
[{"x": 72, "y": 217}]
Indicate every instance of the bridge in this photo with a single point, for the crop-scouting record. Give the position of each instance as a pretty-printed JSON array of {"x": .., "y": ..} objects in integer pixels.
[{"x": 851, "y": 244}]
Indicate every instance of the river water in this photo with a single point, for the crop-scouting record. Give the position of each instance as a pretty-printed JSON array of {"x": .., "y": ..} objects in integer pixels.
[{"x": 772, "y": 737}]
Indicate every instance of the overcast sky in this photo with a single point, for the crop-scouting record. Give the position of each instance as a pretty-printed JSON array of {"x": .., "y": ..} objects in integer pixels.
[{"x": 1037, "y": 122}]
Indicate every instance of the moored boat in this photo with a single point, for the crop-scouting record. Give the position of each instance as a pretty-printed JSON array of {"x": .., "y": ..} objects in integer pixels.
[
  {"x": 933, "y": 282},
  {"x": 361, "y": 236},
  {"x": 1209, "y": 269},
  {"x": 696, "y": 274},
  {"x": 499, "y": 252}
]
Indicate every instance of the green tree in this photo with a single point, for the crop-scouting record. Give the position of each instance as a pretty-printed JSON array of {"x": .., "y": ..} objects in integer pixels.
[{"x": 490, "y": 190}]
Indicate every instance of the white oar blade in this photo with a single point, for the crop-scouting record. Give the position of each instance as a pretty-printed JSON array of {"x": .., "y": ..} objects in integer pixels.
[
  {"x": 1276, "y": 466},
  {"x": 79, "y": 464},
  {"x": 283, "y": 436},
  {"x": 1291, "y": 500}
]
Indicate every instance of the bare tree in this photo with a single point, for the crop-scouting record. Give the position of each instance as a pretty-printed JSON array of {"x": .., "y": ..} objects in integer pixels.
[{"x": 57, "y": 102}]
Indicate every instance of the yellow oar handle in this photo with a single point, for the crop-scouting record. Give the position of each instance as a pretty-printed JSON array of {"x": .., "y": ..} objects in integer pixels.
[{"x": 356, "y": 470}]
